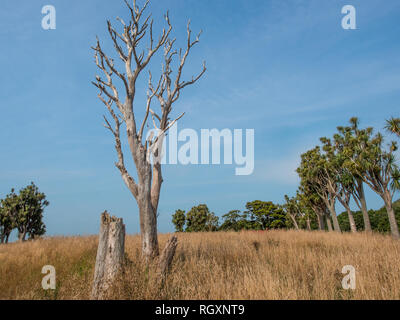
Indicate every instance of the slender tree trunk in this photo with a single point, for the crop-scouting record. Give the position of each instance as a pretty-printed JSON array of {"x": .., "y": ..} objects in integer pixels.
[
  {"x": 21, "y": 236},
  {"x": 353, "y": 226},
  {"x": 363, "y": 202},
  {"x": 308, "y": 223},
  {"x": 345, "y": 202},
  {"x": 332, "y": 211},
  {"x": 394, "y": 228},
  {"x": 329, "y": 223},
  {"x": 364, "y": 210},
  {"x": 7, "y": 236},
  {"x": 110, "y": 255},
  {"x": 321, "y": 221},
  {"x": 294, "y": 222}
]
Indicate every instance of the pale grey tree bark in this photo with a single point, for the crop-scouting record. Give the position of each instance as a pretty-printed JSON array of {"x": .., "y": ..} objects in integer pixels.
[
  {"x": 344, "y": 198},
  {"x": 359, "y": 197},
  {"x": 146, "y": 190},
  {"x": 296, "y": 225},
  {"x": 166, "y": 259},
  {"x": 110, "y": 257},
  {"x": 308, "y": 222},
  {"x": 332, "y": 211}
]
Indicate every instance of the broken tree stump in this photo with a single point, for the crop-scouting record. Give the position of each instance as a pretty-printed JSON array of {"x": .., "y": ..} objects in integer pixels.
[
  {"x": 165, "y": 260},
  {"x": 110, "y": 255}
]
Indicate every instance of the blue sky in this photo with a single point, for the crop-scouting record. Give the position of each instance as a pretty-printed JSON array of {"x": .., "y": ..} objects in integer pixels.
[{"x": 285, "y": 68}]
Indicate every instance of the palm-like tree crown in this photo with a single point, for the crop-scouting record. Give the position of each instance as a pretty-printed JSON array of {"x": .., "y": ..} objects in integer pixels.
[{"x": 393, "y": 125}]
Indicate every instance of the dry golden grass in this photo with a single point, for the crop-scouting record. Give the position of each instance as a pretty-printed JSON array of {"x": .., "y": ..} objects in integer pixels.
[{"x": 246, "y": 265}]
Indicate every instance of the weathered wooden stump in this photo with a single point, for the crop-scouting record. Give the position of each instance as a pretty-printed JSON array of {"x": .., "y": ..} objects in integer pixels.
[
  {"x": 165, "y": 259},
  {"x": 110, "y": 255}
]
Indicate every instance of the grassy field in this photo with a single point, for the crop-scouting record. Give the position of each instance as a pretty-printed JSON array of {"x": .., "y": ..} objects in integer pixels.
[{"x": 246, "y": 265}]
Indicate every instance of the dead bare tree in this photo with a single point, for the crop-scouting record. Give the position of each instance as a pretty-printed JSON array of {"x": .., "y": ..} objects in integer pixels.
[{"x": 146, "y": 190}]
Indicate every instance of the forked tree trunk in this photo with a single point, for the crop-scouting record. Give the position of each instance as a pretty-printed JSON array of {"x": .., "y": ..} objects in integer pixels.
[
  {"x": 21, "y": 236},
  {"x": 110, "y": 255},
  {"x": 296, "y": 225}
]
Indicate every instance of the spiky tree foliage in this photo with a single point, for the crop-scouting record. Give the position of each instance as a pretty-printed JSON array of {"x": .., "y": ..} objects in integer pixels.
[
  {"x": 342, "y": 179},
  {"x": 316, "y": 172},
  {"x": 377, "y": 167},
  {"x": 349, "y": 142},
  {"x": 311, "y": 200},
  {"x": 393, "y": 125},
  {"x": 309, "y": 217},
  {"x": 293, "y": 209}
]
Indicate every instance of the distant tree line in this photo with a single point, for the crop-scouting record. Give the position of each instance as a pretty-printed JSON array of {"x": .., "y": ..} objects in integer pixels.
[
  {"x": 336, "y": 171},
  {"x": 23, "y": 212},
  {"x": 264, "y": 215},
  {"x": 259, "y": 215}
]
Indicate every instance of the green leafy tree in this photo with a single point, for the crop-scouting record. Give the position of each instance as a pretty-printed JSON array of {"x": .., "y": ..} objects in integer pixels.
[
  {"x": 316, "y": 172},
  {"x": 199, "y": 218},
  {"x": 293, "y": 210},
  {"x": 179, "y": 220},
  {"x": 30, "y": 207},
  {"x": 8, "y": 212},
  {"x": 378, "y": 169},
  {"x": 309, "y": 219},
  {"x": 350, "y": 142},
  {"x": 342, "y": 179},
  {"x": 233, "y": 220},
  {"x": 379, "y": 220},
  {"x": 314, "y": 204},
  {"x": 265, "y": 215},
  {"x": 393, "y": 125},
  {"x": 300, "y": 212}
]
